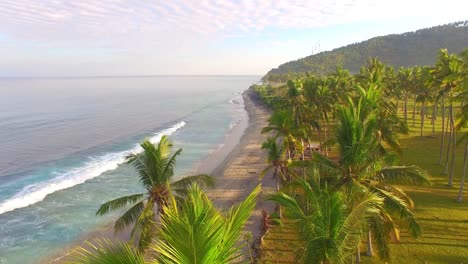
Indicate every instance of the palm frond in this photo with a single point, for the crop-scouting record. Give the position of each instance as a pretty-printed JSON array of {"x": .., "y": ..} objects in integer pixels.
[
  {"x": 119, "y": 203},
  {"x": 235, "y": 220},
  {"x": 399, "y": 208},
  {"x": 202, "y": 180},
  {"x": 106, "y": 252},
  {"x": 405, "y": 175},
  {"x": 129, "y": 217}
]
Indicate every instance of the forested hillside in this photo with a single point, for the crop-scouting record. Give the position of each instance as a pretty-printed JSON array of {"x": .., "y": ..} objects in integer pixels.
[{"x": 407, "y": 49}]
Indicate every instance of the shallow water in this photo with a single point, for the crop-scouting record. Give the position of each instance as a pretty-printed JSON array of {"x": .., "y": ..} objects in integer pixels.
[{"x": 63, "y": 142}]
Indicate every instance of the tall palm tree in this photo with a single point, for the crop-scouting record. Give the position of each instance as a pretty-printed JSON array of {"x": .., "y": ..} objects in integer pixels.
[
  {"x": 282, "y": 124},
  {"x": 321, "y": 101},
  {"x": 463, "y": 122},
  {"x": 364, "y": 166},
  {"x": 423, "y": 94},
  {"x": 405, "y": 82},
  {"x": 331, "y": 229},
  {"x": 276, "y": 161},
  {"x": 155, "y": 167},
  {"x": 191, "y": 231}
]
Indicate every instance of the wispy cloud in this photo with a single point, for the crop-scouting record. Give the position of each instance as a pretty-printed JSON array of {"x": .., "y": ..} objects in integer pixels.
[
  {"x": 158, "y": 36},
  {"x": 65, "y": 19}
]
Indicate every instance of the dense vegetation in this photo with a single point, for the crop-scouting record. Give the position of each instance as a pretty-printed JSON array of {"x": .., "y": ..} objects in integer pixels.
[
  {"x": 407, "y": 49},
  {"x": 334, "y": 148},
  {"x": 323, "y": 185}
]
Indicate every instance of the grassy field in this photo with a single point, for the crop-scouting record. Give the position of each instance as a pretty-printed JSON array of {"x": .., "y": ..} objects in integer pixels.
[{"x": 443, "y": 220}]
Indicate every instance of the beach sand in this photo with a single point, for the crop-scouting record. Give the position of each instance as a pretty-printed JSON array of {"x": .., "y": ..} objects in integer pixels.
[
  {"x": 239, "y": 173},
  {"x": 236, "y": 167}
]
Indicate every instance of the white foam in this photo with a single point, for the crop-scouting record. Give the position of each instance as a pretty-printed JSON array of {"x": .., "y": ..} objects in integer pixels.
[{"x": 34, "y": 193}]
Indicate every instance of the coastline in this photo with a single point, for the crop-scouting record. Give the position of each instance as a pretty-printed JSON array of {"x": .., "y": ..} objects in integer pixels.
[{"x": 235, "y": 166}]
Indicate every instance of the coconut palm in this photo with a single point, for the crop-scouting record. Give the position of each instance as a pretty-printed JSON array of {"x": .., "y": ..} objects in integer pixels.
[
  {"x": 405, "y": 83},
  {"x": 191, "y": 231},
  {"x": 282, "y": 124},
  {"x": 449, "y": 72},
  {"x": 463, "y": 122},
  {"x": 276, "y": 161},
  {"x": 362, "y": 165},
  {"x": 199, "y": 233},
  {"x": 331, "y": 229},
  {"x": 321, "y": 100},
  {"x": 155, "y": 167}
]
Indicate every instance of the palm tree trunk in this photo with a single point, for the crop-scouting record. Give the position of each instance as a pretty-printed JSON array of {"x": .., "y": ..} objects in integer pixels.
[
  {"x": 275, "y": 175},
  {"x": 442, "y": 142},
  {"x": 454, "y": 142},
  {"x": 414, "y": 111},
  {"x": 370, "y": 251},
  {"x": 406, "y": 108},
  {"x": 397, "y": 103},
  {"x": 325, "y": 139},
  {"x": 358, "y": 255},
  {"x": 434, "y": 110},
  {"x": 320, "y": 140},
  {"x": 449, "y": 144},
  {"x": 303, "y": 159},
  {"x": 421, "y": 111},
  {"x": 462, "y": 183},
  {"x": 280, "y": 214}
]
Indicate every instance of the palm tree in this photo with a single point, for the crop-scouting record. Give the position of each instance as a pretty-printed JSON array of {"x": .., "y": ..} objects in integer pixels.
[
  {"x": 199, "y": 233},
  {"x": 321, "y": 100},
  {"x": 282, "y": 124},
  {"x": 463, "y": 122},
  {"x": 331, "y": 229},
  {"x": 276, "y": 161},
  {"x": 155, "y": 167},
  {"x": 405, "y": 83},
  {"x": 423, "y": 94},
  {"x": 364, "y": 166},
  {"x": 191, "y": 231}
]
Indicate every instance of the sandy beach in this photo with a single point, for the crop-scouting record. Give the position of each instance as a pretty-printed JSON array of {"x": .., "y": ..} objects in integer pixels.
[
  {"x": 236, "y": 167},
  {"x": 239, "y": 173}
]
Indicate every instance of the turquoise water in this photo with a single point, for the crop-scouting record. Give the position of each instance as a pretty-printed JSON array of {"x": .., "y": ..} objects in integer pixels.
[{"x": 63, "y": 142}]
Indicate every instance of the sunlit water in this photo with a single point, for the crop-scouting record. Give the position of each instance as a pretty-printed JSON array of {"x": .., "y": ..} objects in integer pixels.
[{"x": 63, "y": 142}]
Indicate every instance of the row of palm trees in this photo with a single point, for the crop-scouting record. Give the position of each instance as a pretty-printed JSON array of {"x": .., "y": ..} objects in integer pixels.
[
  {"x": 308, "y": 104},
  {"x": 320, "y": 194},
  {"x": 359, "y": 181}
]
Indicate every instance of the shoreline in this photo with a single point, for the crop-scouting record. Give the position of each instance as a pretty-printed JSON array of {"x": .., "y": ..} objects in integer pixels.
[{"x": 235, "y": 166}]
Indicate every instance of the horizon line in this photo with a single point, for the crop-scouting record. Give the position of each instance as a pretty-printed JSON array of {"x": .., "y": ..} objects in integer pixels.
[{"x": 123, "y": 76}]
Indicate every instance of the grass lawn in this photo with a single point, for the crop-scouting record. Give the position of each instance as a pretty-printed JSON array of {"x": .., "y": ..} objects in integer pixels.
[{"x": 444, "y": 221}]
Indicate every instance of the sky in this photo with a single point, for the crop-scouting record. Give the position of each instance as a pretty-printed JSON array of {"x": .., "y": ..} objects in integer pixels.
[{"x": 48, "y": 38}]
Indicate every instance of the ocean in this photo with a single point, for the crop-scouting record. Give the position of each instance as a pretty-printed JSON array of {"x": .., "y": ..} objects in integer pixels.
[{"x": 63, "y": 143}]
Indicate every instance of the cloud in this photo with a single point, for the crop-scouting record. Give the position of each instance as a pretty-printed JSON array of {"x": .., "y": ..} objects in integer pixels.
[
  {"x": 63, "y": 19},
  {"x": 53, "y": 37}
]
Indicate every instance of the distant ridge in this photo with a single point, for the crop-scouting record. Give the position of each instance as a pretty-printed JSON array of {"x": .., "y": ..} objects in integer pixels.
[{"x": 407, "y": 49}]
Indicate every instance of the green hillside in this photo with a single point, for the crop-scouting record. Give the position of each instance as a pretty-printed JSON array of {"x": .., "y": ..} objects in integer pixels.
[{"x": 407, "y": 49}]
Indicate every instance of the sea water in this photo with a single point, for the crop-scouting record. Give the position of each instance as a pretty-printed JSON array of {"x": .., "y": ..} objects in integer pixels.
[{"x": 63, "y": 144}]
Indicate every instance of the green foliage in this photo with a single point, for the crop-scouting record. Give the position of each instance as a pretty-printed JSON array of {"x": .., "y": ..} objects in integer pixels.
[
  {"x": 155, "y": 166},
  {"x": 407, "y": 49},
  {"x": 329, "y": 226},
  {"x": 191, "y": 231},
  {"x": 196, "y": 232},
  {"x": 106, "y": 252}
]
